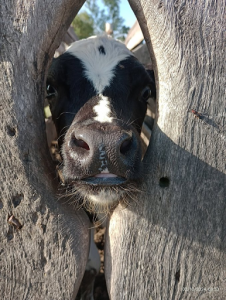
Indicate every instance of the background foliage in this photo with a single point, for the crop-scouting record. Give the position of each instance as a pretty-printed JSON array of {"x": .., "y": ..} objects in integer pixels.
[{"x": 91, "y": 20}]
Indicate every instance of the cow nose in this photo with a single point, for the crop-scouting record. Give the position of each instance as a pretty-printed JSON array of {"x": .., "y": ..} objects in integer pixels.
[
  {"x": 79, "y": 142},
  {"x": 90, "y": 151},
  {"x": 87, "y": 140},
  {"x": 125, "y": 143}
]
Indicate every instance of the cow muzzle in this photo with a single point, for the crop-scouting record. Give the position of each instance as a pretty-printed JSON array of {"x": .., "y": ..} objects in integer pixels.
[{"x": 101, "y": 155}]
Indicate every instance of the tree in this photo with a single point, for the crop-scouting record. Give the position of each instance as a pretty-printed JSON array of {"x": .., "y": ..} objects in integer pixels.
[
  {"x": 83, "y": 25},
  {"x": 95, "y": 18},
  {"x": 171, "y": 243},
  {"x": 113, "y": 17}
]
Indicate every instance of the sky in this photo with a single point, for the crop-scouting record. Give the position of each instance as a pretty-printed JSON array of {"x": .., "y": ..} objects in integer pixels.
[{"x": 125, "y": 12}]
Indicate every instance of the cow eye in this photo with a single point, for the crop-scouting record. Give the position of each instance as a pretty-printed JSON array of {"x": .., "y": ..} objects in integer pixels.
[
  {"x": 50, "y": 92},
  {"x": 146, "y": 93}
]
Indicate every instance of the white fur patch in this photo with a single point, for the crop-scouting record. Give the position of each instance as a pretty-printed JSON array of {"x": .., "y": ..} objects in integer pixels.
[
  {"x": 106, "y": 197},
  {"x": 103, "y": 111},
  {"x": 99, "y": 67},
  {"x": 105, "y": 171}
]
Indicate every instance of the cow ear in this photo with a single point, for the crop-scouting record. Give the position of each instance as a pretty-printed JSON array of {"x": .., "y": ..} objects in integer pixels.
[{"x": 152, "y": 83}]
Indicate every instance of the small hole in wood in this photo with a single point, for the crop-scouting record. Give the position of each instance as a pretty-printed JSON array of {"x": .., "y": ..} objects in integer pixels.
[
  {"x": 11, "y": 131},
  {"x": 17, "y": 199},
  {"x": 164, "y": 182}
]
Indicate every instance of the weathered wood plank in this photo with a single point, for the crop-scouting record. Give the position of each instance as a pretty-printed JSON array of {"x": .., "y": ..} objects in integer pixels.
[
  {"x": 46, "y": 257},
  {"x": 170, "y": 242}
]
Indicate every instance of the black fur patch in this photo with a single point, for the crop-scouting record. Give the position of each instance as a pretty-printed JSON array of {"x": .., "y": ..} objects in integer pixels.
[{"x": 102, "y": 50}]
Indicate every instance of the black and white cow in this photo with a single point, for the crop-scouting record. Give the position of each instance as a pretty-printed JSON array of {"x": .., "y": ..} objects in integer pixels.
[{"x": 98, "y": 94}]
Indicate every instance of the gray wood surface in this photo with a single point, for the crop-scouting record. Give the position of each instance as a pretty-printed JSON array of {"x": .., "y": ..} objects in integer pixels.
[
  {"x": 170, "y": 242},
  {"x": 44, "y": 243}
]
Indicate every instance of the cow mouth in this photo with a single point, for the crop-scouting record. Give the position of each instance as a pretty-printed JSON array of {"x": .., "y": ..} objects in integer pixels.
[
  {"x": 104, "y": 189},
  {"x": 104, "y": 179}
]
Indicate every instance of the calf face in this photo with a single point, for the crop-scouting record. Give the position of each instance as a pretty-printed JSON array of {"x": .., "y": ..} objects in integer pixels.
[{"x": 98, "y": 96}]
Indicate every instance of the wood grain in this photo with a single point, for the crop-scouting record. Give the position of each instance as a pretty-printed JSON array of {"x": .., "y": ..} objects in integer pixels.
[
  {"x": 170, "y": 241},
  {"x": 46, "y": 257}
]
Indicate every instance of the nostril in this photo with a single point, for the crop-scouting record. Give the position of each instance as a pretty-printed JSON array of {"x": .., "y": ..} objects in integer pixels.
[
  {"x": 125, "y": 146},
  {"x": 79, "y": 143}
]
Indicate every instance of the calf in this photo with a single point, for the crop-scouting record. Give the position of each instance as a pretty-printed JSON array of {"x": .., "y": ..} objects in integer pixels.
[{"x": 98, "y": 92}]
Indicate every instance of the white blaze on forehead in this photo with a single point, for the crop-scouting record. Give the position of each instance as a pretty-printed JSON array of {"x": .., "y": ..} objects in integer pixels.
[
  {"x": 99, "y": 65},
  {"x": 103, "y": 111}
]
